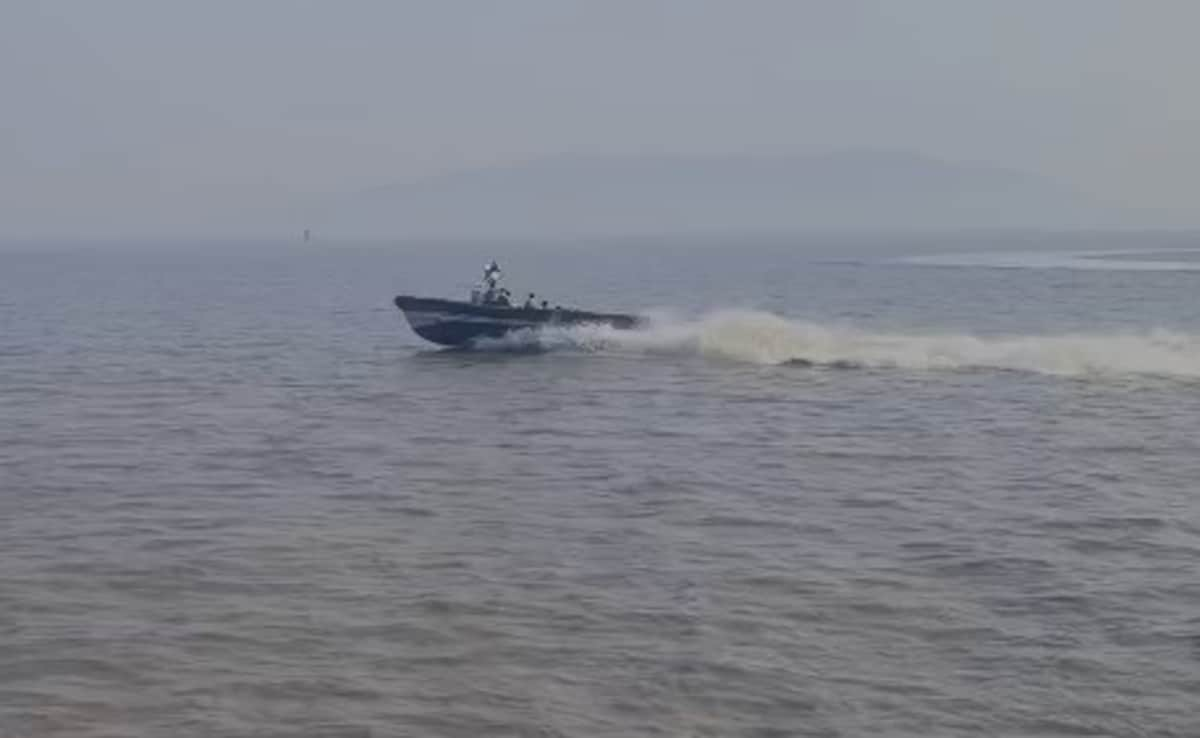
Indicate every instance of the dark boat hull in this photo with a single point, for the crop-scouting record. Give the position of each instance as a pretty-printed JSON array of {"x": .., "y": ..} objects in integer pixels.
[{"x": 457, "y": 323}]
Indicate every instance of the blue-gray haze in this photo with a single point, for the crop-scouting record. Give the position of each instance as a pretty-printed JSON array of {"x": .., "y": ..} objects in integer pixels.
[
  {"x": 136, "y": 117},
  {"x": 839, "y": 485}
]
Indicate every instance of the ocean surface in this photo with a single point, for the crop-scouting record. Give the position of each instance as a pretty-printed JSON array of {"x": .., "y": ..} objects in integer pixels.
[{"x": 838, "y": 487}]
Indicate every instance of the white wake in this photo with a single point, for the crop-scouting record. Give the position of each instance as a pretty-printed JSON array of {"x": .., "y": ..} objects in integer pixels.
[{"x": 763, "y": 338}]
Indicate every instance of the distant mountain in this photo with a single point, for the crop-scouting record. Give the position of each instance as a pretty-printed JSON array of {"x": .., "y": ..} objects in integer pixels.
[{"x": 565, "y": 196}]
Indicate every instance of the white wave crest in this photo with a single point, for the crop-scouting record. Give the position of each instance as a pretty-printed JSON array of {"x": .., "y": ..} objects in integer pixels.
[{"x": 763, "y": 338}]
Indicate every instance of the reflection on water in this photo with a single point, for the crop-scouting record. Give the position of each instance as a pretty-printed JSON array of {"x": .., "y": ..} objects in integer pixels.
[{"x": 1180, "y": 260}]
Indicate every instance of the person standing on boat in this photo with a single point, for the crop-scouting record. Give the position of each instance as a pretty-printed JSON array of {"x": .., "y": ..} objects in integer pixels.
[
  {"x": 486, "y": 293},
  {"x": 531, "y": 302},
  {"x": 491, "y": 274}
]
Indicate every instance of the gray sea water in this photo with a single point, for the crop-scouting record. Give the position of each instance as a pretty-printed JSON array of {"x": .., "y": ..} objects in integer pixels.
[{"x": 840, "y": 487}]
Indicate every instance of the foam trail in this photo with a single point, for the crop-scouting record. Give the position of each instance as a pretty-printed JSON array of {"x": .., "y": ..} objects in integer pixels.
[{"x": 763, "y": 338}]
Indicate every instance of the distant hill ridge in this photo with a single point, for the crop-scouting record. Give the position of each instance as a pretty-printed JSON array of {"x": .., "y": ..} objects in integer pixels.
[{"x": 571, "y": 195}]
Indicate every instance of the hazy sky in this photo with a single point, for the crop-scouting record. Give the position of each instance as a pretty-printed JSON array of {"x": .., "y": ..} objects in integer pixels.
[{"x": 127, "y": 117}]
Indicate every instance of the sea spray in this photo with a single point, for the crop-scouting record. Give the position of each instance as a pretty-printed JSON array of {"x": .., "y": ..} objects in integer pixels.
[{"x": 764, "y": 338}]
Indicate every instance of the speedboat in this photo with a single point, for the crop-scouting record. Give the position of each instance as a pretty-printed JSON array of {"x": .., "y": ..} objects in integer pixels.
[{"x": 489, "y": 313}]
